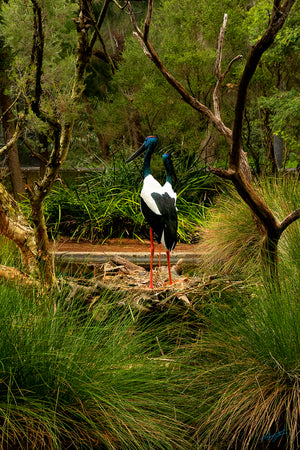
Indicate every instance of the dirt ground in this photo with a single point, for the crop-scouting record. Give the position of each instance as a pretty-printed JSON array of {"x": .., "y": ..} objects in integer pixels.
[{"x": 113, "y": 245}]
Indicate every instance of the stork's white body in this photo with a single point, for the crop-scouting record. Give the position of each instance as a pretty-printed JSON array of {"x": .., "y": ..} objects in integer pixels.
[{"x": 158, "y": 205}]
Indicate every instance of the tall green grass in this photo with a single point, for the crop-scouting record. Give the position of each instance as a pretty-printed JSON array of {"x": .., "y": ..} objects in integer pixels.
[
  {"x": 68, "y": 381},
  {"x": 9, "y": 253},
  {"x": 246, "y": 370}
]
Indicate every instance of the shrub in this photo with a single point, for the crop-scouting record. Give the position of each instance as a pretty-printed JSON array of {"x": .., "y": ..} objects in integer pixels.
[{"x": 107, "y": 205}]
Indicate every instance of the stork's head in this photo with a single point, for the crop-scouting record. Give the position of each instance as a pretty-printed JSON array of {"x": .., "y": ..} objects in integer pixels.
[
  {"x": 167, "y": 157},
  {"x": 167, "y": 160},
  {"x": 148, "y": 144}
]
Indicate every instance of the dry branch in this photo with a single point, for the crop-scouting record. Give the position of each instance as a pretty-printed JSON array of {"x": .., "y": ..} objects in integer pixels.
[
  {"x": 16, "y": 135},
  {"x": 219, "y": 74},
  {"x": 150, "y": 52}
]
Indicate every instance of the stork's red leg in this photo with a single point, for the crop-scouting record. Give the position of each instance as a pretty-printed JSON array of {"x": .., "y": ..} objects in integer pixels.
[
  {"x": 159, "y": 259},
  {"x": 151, "y": 260},
  {"x": 169, "y": 266}
]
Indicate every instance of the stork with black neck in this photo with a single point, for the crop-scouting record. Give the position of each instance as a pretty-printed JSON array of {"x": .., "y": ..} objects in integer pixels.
[{"x": 158, "y": 203}]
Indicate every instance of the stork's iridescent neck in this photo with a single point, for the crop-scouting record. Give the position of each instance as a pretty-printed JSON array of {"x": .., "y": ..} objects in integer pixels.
[
  {"x": 150, "y": 144},
  {"x": 166, "y": 157}
]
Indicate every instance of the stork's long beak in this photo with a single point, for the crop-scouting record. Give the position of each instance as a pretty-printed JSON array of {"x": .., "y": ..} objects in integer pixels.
[{"x": 137, "y": 153}]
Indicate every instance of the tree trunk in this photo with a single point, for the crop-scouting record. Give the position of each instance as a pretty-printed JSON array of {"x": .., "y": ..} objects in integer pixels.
[
  {"x": 8, "y": 131},
  {"x": 15, "y": 227},
  {"x": 61, "y": 145},
  {"x": 278, "y": 144}
]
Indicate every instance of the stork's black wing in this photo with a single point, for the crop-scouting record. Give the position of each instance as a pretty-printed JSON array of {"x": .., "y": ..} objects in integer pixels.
[
  {"x": 155, "y": 221},
  {"x": 164, "y": 224}
]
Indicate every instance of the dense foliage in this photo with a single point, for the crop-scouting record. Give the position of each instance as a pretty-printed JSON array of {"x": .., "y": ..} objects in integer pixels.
[{"x": 133, "y": 100}]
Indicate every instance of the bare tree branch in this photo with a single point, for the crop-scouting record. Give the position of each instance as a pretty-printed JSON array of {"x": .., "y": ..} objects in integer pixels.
[
  {"x": 222, "y": 173},
  {"x": 219, "y": 74},
  {"x": 10, "y": 106},
  {"x": 220, "y": 46},
  {"x": 144, "y": 48},
  {"x": 149, "y": 50},
  {"x": 295, "y": 215},
  {"x": 236, "y": 58},
  {"x": 14, "y": 138}
]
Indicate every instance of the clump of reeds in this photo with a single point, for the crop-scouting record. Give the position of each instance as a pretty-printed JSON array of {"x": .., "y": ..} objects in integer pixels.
[
  {"x": 247, "y": 370},
  {"x": 69, "y": 381}
]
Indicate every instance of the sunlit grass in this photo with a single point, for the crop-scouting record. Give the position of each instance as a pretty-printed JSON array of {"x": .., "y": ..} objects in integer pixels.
[{"x": 230, "y": 241}]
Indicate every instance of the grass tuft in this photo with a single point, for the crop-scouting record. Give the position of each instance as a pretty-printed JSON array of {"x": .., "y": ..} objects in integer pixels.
[
  {"x": 247, "y": 371},
  {"x": 229, "y": 240},
  {"x": 70, "y": 381}
]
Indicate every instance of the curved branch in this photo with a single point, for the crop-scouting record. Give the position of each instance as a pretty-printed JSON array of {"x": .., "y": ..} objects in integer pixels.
[
  {"x": 222, "y": 173},
  {"x": 236, "y": 58},
  {"x": 295, "y": 215},
  {"x": 10, "y": 106},
  {"x": 18, "y": 131},
  {"x": 150, "y": 51}
]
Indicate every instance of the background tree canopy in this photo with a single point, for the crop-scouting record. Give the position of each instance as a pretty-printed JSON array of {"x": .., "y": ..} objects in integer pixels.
[{"x": 124, "y": 103}]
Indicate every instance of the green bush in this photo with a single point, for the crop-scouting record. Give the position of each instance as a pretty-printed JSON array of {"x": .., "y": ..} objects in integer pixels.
[{"x": 107, "y": 205}]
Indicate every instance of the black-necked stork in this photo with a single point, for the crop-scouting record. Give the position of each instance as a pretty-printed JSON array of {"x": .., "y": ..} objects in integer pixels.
[{"x": 158, "y": 203}]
